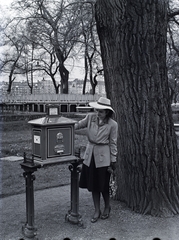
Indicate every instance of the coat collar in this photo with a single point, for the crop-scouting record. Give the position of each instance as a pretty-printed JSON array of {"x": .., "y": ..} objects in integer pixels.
[{"x": 96, "y": 119}]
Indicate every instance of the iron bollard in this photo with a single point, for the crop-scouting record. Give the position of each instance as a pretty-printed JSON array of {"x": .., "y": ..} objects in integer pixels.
[{"x": 29, "y": 168}]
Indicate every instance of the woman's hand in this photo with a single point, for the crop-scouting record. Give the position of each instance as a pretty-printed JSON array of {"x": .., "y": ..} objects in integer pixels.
[
  {"x": 110, "y": 170},
  {"x": 113, "y": 166}
]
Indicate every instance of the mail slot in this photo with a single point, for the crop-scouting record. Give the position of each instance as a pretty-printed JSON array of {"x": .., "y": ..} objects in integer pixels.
[{"x": 52, "y": 137}]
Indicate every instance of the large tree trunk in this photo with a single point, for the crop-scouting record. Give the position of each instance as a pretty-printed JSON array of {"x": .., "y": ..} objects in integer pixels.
[{"x": 133, "y": 45}]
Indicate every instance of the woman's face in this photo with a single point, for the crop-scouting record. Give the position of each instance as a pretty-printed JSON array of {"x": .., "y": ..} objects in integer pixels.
[{"x": 101, "y": 113}]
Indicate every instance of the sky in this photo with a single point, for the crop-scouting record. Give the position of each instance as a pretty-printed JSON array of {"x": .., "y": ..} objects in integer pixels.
[{"x": 5, "y": 2}]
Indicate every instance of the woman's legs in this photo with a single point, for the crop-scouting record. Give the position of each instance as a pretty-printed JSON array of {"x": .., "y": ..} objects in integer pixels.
[
  {"x": 106, "y": 198},
  {"x": 96, "y": 200}
]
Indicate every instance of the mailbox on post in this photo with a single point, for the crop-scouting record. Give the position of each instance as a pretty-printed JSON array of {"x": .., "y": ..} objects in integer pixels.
[
  {"x": 52, "y": 143},
  {"x": 52, "y": 137}
]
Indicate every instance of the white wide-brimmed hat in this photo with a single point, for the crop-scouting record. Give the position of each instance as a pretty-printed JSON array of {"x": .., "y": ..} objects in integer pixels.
[{"x": 102, "y": 103}]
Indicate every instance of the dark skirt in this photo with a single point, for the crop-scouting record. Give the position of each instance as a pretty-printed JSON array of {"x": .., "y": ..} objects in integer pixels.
[{"x": 94, "y": 179}]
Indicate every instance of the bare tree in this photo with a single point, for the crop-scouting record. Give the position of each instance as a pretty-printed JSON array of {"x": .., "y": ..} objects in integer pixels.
[
  {"x": 173, "y": 51},
  {"x": 38, "y": 51},
  {"x": 90, "y": 43},
  {"x": 51, "y": 67},
  {"x": 58, "y": 25},
  {"x": 13, "y": 49},
  {"x": 173, "y": 74},
  {"x": 133, "y": 36}
]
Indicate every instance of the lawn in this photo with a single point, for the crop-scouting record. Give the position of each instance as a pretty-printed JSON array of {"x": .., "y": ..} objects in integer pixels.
[{"x": 15, "y": 140}]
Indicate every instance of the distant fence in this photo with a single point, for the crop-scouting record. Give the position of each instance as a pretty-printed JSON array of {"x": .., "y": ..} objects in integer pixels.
[
  {"x": 37, "y": 103},
  {"x": 8, "y": 98}
]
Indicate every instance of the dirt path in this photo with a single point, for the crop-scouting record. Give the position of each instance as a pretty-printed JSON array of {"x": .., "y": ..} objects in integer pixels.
[{"x": 51, "y": 206}]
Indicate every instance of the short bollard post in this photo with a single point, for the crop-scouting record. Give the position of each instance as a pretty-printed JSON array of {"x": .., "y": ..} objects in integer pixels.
[
  {"x": 73, "y": 215},
  {"x": 29, "y": 168}
]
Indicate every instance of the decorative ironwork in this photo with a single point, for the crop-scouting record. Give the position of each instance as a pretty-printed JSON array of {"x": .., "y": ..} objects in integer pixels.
[
  {"x": 29, "y": 167},
  {"x": 73, "y": 215}
]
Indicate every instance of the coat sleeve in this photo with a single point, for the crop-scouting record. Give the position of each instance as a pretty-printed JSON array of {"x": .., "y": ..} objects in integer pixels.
[
  {"x": 113, "y": 142},
  {"x": 82, "y": 123}
]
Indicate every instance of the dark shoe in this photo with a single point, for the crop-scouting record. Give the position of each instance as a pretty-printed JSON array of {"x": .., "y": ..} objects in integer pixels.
[
  {"x": 95, "y": 219},
  {"x": 106, "y": 215}
]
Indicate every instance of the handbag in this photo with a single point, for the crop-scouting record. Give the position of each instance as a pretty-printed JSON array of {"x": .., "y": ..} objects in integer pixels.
[{"x": 112, "y": 185}]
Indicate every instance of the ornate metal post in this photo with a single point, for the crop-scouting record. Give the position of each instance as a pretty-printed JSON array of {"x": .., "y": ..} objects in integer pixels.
[
  {"x": 73, "y": 215},
  {"x": 29, "y": 168}
]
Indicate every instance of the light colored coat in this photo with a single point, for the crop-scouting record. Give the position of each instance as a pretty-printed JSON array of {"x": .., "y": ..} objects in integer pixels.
[{"x": 102, "y": 140}]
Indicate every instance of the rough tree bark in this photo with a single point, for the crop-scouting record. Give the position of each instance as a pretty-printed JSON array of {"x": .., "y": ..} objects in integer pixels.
[{"x": 133, "y": 45}]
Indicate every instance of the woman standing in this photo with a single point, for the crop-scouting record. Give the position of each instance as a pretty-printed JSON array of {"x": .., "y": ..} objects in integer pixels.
[{"x": 100, "y": 154}]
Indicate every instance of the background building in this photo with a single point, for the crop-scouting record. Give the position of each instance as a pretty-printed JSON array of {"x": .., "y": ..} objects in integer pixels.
[{"x": 46, "y": 86}]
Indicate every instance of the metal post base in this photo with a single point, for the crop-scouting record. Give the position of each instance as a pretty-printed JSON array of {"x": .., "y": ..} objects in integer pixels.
[
  {"x": 74, "y": 218},
  {"x": 29, "y": 232}
]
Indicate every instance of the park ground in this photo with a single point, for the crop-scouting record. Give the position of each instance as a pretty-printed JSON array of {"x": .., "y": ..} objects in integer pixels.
[{"x": 52, "y": 204}]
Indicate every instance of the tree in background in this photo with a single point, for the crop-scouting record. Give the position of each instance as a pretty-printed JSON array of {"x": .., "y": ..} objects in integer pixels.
[
  {"x": 13, "y": 49},
  {"x": 173, "y": 51},
  {"x": 133, "y": 37},
  {"x": 57, "y": 27},
  {"x": 63, "y": 28},
  {"x": 38, "y": 50},
  {"x": 90, "y": 44},
  {"x": 173, "y": 74},
  {"x": 51, "y": 67}
]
